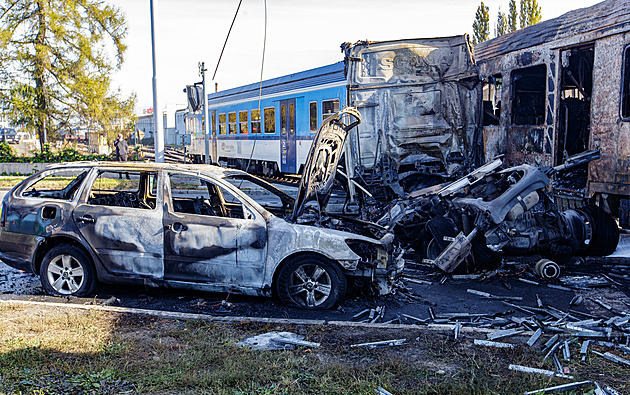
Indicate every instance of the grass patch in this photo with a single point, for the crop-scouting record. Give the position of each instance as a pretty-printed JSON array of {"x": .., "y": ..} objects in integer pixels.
[{"x": 62, "y": 351}]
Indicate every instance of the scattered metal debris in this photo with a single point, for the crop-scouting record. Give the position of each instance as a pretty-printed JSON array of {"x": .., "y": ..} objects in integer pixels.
[
  {"x": 489, "y": 343},
  {"x": 560, "y": 388},
  {"x": 612, "y": 357},
  {"x": 382, "y": 391},
  {"x": 528, "y": 369},
  {"x": 276, "y": 341},
  {"x": 380, "y": 344},
  {"x": 503, "y": 333}
]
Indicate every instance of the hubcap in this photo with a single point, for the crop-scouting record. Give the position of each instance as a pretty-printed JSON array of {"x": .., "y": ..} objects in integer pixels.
[
  {"x": 310, "y": 285},
  {"x": 65, "y": 274}
]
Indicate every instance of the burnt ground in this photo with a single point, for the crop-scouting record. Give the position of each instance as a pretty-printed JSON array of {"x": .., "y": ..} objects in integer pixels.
[{"x": 606, "y": 280}]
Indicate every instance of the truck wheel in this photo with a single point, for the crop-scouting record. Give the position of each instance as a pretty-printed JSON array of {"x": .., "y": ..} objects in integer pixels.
[
  {"x": 605, "y": 235},
  {"x": 310, "y": 282},
  {"x": 66, "y": 270}
]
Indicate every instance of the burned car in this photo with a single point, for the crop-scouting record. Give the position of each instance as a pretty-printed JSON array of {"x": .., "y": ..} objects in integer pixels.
[
  {"x": 464, "y": 225},
  {"x": 191, "y": 226}
]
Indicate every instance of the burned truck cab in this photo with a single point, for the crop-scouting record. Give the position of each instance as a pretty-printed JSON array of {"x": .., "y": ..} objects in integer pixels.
[{"x": 418, "y": 101}]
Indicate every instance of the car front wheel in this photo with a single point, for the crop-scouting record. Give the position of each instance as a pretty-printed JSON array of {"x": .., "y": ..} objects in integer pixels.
[
  {"x": 311, "y": 282},
  {"x": 66, "y": 270}
]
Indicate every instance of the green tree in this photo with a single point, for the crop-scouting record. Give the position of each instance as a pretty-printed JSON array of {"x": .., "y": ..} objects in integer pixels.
[
  {"x": 530, "y": 13},
  {"x": 512, "y": 16},
  {"x": 57, "y": 56},
  {"x": 481, "y": 25},
  {"x": 502, "y": 24}
]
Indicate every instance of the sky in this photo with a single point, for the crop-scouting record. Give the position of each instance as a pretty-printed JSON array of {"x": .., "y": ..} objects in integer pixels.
[{"x": 300, "y": 35}]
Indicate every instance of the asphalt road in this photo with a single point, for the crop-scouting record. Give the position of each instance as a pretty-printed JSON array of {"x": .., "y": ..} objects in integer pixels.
[{"x": 443, "y": 294}]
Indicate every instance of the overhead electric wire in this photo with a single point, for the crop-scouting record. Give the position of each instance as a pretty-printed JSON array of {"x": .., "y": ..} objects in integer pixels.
[{"x": 227, "y": 37}]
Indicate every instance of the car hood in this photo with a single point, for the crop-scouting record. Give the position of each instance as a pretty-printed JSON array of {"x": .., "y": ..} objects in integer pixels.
[{"x": 321, "y": 164}]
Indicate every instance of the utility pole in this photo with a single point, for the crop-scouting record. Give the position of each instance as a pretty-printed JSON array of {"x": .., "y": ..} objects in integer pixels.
[
  {"x": 206, "y": 120},
  {"x": 157, "y": 118}
]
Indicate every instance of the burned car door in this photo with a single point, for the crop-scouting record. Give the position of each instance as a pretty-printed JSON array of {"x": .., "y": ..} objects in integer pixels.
[
  {"x": 121, "y": 219},
  {"x": 212, "y": 236},
  {"x": 41, "y": 209}
]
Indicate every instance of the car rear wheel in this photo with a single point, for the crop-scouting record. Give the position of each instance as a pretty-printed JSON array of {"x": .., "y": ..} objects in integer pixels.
[
  {"x": 66, "y": 270},
  {"x": 310, "y": 282}
]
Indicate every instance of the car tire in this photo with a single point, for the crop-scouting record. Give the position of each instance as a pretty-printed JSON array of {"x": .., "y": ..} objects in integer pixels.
[
  {"x": 310, "y": 282},
  {"x": 67, "y": 271},
  {"x": 605, "y": 235}
]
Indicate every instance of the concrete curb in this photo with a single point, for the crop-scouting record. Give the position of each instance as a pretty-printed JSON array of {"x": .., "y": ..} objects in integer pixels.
[{"x": 241, "y": 319}]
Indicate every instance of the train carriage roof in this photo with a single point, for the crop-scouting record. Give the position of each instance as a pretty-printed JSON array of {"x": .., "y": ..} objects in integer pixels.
[{"x": 303, "y": 79}]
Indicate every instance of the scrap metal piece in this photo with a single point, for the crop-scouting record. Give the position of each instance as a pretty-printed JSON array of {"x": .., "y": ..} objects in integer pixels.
[
  {"x": 557, "y": 364},
  {"x": 584, "y": 349},
  {"x": 276, "y": 341},
  {"x": 457, "y": 330},
  {"x": 602, "y": 304},
  {"x": 612, "y": 391},
  {"x": 566, "y": 352},
  {"x": 417, "y": 281},
  {"x": 489, "y": 343},
  {"x": 560, "y": 388},
  {"x": 612, "y": 357},
  {"x": 539, "y": 302},
  {"x": 382, "y": 391},
  {"x": 526, "y": 281},
  {"x": 560, "y": 287},
  {"x": 551, "y": 341},
  {"x": 577, "y": 300},
  {"x": 360, "y": 314},
  {"x": 490, "y": 296},
  {"x": 419, "y": 320},
  {"x": 532, "y": 340},
  {"x": 504, "y": 333},
  {"x": 527, "y": 369},
  {"x": 379, "y": 344}
]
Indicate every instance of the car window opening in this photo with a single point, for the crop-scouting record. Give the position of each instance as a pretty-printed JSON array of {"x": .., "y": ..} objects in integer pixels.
[{"x": 124, "y": 189}]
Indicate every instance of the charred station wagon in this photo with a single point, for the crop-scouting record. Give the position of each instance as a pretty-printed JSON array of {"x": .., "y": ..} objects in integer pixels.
[{"x": 193, "y": 226}]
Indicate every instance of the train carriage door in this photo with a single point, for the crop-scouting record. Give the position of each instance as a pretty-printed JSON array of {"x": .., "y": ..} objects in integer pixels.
[{"x": 287, "y": 136}]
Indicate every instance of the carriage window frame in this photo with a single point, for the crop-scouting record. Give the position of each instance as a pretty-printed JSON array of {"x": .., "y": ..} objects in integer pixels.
[
  {"x": 222, "y": 123},
  {"x": 336, "y": 106},
  {"x": 539, "y": 115},
  {"x": 312, "y": 116},
  {"x": 232, "y": 122},
  {"x": 270, "y": 120},
  {"x": 243, "y": 124},
  {"x": 255, "y": 121},
  {"x": 624, "y": 102}
]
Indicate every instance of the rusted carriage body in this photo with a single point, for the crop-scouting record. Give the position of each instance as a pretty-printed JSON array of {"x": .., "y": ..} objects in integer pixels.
[{"x": 557, "y": 88}]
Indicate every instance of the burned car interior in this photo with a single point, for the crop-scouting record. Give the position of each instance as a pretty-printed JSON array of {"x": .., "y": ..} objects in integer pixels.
[{"x": 124, "y": 189}]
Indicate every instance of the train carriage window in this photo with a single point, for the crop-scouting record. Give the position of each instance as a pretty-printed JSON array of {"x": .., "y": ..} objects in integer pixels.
[
  {"x": 528, "y": 95},
  {"x": 243, "y": 122},
  {"x": 232, "y": 122},
  {"x": 312, "y": 111},
  {"x": 255, "y": 121},
  {"x": 213, "y": 125},
  {"x": 625, "y": 91},
  {"x": 329, "y": 107},
  {"x": 492, "y": 100},
  {"x": 283, "y": 119},
  {"x": 270, "y": 120},
  {"x": 292, "y": 118},
  {"x": 222, "y": 124}
]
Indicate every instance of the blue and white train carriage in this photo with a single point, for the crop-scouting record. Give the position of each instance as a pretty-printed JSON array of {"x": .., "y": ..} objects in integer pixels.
[{"x": 274, "y": 126}]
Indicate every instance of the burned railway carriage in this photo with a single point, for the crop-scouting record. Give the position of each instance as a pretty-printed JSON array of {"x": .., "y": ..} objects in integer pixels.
[
  {"x": 273, "y": 125},
  {"x": 561, "y": 87}
]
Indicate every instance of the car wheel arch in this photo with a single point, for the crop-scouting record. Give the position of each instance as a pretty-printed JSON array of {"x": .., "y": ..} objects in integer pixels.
[{"x": 51, "y": 242}]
